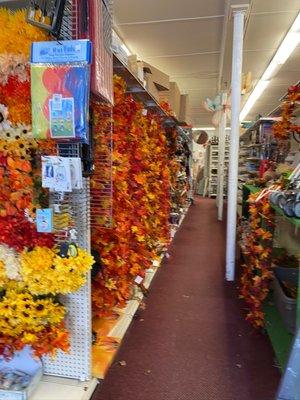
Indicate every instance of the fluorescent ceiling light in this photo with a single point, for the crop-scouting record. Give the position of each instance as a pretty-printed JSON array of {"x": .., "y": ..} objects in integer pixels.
[
  {"x": 258, "y": 90},
  {"x": 287, "y": 46},
  {"x": 207, "y": 128},
  {"x": 125, "y": 48}
]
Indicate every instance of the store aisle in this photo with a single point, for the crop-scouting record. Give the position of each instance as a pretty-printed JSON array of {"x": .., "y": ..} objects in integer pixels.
[{"x": 191, "y": 342}]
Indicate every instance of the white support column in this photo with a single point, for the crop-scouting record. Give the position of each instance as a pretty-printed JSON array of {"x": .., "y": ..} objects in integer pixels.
[
  {"x": 236, "y": 77},
  {"x": 221, "y": 161}
]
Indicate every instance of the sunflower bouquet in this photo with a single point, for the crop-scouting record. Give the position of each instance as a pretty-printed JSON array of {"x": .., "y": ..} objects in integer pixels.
[
  {"x": 30, "y": 320},
  {"x": 45, "y": 272}
]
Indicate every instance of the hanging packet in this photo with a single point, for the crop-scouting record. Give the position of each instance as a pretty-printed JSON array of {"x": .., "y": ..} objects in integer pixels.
[{"x": 60, "y": 87}]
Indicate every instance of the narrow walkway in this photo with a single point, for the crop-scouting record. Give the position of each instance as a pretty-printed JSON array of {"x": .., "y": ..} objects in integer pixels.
[{"x": 191, "y": 342}]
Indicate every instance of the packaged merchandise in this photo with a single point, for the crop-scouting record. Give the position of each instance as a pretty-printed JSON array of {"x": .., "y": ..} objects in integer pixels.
[{"x": 60, "y": 86}]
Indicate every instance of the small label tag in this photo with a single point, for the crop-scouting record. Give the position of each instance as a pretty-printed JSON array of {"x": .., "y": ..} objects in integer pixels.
[
  {"x": 56, "y": 208},
  {"x": 138, "y": 280}
]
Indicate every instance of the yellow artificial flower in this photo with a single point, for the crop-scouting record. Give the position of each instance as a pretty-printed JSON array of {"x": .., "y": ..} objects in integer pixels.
[
  {"x": 16, "y": 35},
  {"x": 22, "y": 315},
  {"x": 3, "y": 278},
  {"x": 45, "y": 272}
]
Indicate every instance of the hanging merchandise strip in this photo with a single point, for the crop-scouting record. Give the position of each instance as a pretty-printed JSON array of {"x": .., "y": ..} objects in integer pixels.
[
  {"x": 77, "y": 363},
  {"x": 101, "y": 182}
]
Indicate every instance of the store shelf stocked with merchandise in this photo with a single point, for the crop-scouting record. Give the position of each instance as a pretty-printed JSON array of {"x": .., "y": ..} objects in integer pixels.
[
  {"x": 137, "y": 88},
  {"x": 151, "y": 175},
  {"x": 211, "y": 167},
  {"x": 149, "y": 205},
  {"x": 115, "y": 214},
  {"x": 255, "y": 146},
  {"x": 269, "y": 236}
]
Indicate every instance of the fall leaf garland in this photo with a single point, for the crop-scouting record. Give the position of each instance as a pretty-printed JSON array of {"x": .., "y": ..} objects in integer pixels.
[
  {"x": 282, "y": 129},
  {"x": 256, "y": 245},
  {"x": 141, "y": 200}
]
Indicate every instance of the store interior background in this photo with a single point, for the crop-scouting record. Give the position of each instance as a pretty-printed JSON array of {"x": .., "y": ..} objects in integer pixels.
[{"x": 191, "y": 42}]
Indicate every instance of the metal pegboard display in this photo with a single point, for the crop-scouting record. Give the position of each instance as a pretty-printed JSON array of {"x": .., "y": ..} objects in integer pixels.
[
  {"x": 77, "y": 205},
  {"x": 77, "y": 363},
  {"x": 69, "y": 26}
]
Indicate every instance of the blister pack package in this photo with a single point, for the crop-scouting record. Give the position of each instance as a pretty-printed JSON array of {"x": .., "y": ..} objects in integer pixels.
[{"x": 60, "y": 87}]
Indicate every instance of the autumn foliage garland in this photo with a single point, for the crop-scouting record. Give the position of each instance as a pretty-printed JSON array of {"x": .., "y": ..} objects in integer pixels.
[
  {"x": 256, "y": 244},
  {"x": 141, "y": 205}
]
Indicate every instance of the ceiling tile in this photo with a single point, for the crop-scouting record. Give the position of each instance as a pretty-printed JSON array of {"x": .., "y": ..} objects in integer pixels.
[
  {"x": 138, "y": 11},
  {"x": 189, "y": 67},
  {"x": 176, "y": 38},
  {"x": 275, "y": 5},
  {"x": 266, "y": 31},
  {"x": 257, "y": 62}
]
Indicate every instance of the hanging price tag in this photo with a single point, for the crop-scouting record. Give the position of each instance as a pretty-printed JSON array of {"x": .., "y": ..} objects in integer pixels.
[{"x": 138, "y": 280}]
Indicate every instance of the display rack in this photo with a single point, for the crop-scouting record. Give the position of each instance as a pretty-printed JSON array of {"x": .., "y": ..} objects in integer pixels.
[
  {"x": 69, "y": 374},
  {"x": 116, "y": 327},
  {"x": 212, "y": 163},
  {"x": 252, "y": 150},
  {"x": 137, "y": 89}
]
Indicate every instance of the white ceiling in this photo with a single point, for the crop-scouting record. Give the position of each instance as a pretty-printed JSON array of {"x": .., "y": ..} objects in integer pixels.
[{"x": 183, "y": 39}]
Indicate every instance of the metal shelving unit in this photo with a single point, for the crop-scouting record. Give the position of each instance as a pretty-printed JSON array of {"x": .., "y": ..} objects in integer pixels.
[
  {"x": 136, "y": 88},
  {"x": 212, "y": 163}
]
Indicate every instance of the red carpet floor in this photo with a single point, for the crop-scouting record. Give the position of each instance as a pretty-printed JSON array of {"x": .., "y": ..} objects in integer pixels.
[{"x": 191, "y": 342}]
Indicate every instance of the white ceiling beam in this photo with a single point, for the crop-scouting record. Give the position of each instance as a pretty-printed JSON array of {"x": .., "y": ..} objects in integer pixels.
[
  {"x": 229, "y": 4},
  {"x": 223, "y": 43},
  {"x": 274, "y": 12},
  {"x": 162, "y": 21},
  {"x": 200, "y": 53}
]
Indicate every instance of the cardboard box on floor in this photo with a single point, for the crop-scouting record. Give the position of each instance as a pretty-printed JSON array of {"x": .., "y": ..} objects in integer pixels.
[
  {"x": 184, "y": 103},
  {"x": 172, "y": 96}
]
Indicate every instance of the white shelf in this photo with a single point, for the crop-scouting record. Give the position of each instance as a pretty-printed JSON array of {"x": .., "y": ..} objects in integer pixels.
[
  {"x": 53, "y": 388},
  {"x": 119, "y": 330}
]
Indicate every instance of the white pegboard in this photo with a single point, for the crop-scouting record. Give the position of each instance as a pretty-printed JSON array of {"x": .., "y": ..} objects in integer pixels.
[{"x": 77, "y": 363}]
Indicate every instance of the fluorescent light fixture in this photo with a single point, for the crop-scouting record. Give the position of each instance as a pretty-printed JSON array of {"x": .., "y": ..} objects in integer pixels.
[
  {"x": 258, "y": 90},
  {"x": 119, "y": 42},
  {"x": 125, "y": 48},
  {"x": 207, "y": 128},
  {"x": 272, "y": 68},
  {"x": 287, "y": 46}
]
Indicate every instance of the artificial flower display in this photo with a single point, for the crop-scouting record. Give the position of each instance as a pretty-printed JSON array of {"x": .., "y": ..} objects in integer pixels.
[
  {"x": 19, "y": 233},
  {"x": 31, "y": 271},
  {"x": 283, "y": 128},
  {"x": 15, "y": 94},
  {"x": 29, "y": 320},
  {"x": 9, "y": 265},
  {"x": 256, "y": 244},
  {"x": 44, "y": 271},
  {"x": 141, "y": 198},
  {"x": 4, "y": 122},
  {"x": 16, "y": 132},
  {"x": 16, "y": 34},
  {"x": 16, "y": 176},
  {"x": 13, "y": 65}
]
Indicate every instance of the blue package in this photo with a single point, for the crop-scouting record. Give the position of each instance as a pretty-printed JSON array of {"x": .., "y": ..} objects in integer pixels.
[
  {"x": 44, "y": 220},
  {"x": 60, "y": 90}
]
